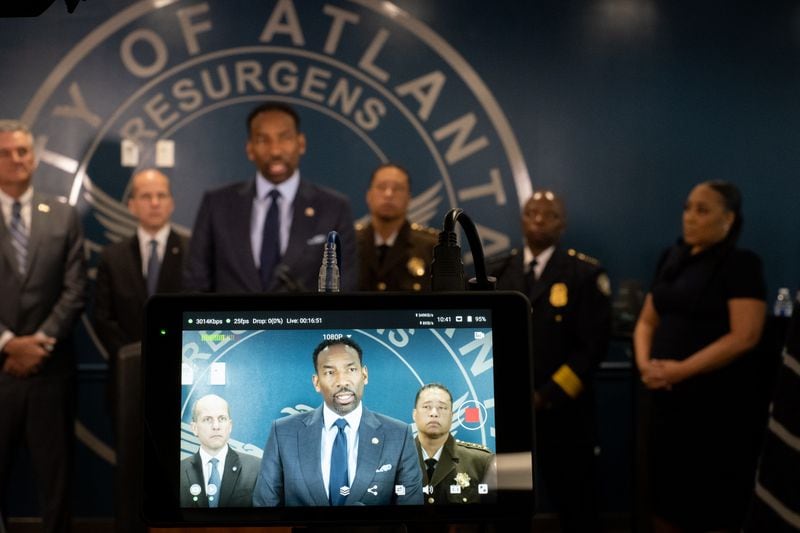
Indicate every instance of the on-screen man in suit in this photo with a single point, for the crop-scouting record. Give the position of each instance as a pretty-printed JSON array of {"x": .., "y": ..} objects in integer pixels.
[
  {"x": 42, "y": 292},
  {"x": 131, "y": 270},
  {"x": 394, "y": 254},
  {"x": 454, "y": 471},
  {"x": 216, "y": 476},
  {"x": 267, "y": 234},
  {"x": 570, "y": 299},
  {"x": 341, "y": 453}
]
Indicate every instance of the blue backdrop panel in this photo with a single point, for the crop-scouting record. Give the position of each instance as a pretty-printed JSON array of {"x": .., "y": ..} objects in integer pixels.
[{"x": 265, "y": 375}]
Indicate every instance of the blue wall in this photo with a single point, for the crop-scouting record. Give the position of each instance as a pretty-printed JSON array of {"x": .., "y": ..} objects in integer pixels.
[{"x": 620, "y": 105}]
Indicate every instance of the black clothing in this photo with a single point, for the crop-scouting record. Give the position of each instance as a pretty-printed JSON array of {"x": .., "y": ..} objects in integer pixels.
[
  {"x": 571, "y": 331},
  {"x": 464, "y": 464},
  {"x": 702, "y": 448},
  {"x": 404, "y": 266}
]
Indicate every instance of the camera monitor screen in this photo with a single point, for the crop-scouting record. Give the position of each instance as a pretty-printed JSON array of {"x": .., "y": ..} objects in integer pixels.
[{"x": 327, "y": 407}]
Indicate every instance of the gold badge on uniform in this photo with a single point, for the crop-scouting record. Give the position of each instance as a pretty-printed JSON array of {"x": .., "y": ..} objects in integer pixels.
[
  {"x": 604, "y": 284},
  {"x": 558, "y": 295},
  {"x": 416, "y": 267}
]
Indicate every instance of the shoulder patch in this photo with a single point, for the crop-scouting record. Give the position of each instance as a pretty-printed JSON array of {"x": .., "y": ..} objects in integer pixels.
[
  {"x": 424, "y": 229},
  {"x": 473, "y": 446},
  {"x": 583, "y": 257}
]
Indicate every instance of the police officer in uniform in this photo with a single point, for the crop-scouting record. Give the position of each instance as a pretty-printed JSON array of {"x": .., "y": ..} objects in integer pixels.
[
  {"x": 570, "y": 299},
  {"x": 394, "y": 254},
  {"x": 453, "y": 471}
]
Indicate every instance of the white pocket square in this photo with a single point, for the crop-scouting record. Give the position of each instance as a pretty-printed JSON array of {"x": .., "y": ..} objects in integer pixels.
[
  {"x": 316, "y": 239},
  {"x": 384, "y": 468}
]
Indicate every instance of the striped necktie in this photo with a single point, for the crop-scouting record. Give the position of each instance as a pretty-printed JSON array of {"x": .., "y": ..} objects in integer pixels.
[{"x": 19, "y": 237}]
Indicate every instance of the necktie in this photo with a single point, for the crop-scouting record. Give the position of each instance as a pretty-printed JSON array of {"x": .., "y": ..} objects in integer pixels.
[
  {"x": 383, "y": 249},
  {"x": 213, "y": 481},
  {"x": 339, "y": 481},
  {"x": 431, "y": 464},
  {"x": 153, "y": 268},
  {"x": 19, "y": 237},
  {"x": 270, "y": 241},
  {"x": 532, "y": 269}
]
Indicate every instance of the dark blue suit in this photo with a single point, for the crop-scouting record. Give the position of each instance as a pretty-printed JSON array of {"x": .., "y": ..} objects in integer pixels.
[
  {"x": 220, "y": 255},
  {"x": 290, "y": 468}
]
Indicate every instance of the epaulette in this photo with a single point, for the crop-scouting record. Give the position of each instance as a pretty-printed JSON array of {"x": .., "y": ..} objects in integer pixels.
[
  {"x": 583, "y": 257},
  {"x": 473, "y": 446},
  {"x": 424, "y": 229}
]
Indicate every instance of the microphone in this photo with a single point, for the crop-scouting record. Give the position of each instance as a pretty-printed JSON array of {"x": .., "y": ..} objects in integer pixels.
[{"x": 328, "y": 280}]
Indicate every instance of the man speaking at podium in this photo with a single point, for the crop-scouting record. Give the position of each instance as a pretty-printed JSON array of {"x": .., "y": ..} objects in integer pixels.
[
  {"x": 267, "y": 234},
  {"x": 341, "y": 453}
]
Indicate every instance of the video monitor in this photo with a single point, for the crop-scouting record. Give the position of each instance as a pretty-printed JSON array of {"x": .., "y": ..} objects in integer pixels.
[{"x": 244, "y": 397}]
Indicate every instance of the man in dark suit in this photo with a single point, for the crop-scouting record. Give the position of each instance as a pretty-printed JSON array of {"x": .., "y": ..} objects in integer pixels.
[
  {"x": 216, "y": 476},
  {"x": 42, "y": 283},
  {"x": 129, "y": 271},
  {"x": 341, "y": 453},
  {"x": 570, "y": 299},
  {"x": 267, "y": 234},
  {"x": 453, "y": 471},
  {"x": 394, "y": 255}
]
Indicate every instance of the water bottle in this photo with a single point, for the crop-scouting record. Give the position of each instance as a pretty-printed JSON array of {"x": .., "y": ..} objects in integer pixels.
[{"x": 783, "y": 303}]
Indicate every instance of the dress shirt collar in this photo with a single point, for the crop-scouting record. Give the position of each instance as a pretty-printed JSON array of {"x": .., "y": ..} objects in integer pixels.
[
  {"x": 389, "y": 241},
  {"x": 7, "y": 203},
  {"x": 206, "y": 457},
  {"x": 436, "y": 456},
  {"x": 541, "y": 259},
  {"x": 329, "y": 416},
  {"x": 287, "y": 188},
  {"x": 160, "y": 236}
]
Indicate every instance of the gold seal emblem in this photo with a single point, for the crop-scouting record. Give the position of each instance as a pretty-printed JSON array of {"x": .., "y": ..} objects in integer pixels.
[
  {"x": 462, "y": 478},
  {"x": 558, "y": 295},
  {"x": 416, "y": 267}
]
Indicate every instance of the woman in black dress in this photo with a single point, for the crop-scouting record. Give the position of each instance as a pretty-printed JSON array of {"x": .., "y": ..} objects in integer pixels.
[{"x": 704, "y": 312}]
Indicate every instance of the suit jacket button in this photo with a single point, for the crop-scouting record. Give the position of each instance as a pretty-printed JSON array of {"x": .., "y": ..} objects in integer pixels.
[{"x": 381, "y": 286}]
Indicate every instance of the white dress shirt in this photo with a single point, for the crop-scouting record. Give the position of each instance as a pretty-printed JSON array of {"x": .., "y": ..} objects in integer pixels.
[
  {"x": 261, "y": 204},
  {"x": 541, "y": 260},
  {"x": 205, "y": 457},
  {"x": 161, "y": 237},
  {"x": 329, "y": 432}
]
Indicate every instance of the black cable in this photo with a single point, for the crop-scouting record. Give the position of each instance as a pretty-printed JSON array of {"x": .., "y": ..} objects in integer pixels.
[{"x": 447, "y": 268}]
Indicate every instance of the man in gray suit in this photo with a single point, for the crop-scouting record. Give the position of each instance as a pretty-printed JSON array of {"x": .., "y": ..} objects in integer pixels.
[
  {"x": 216, "y": 476},
  {"x": 42, "y": 283},
  {"x": 267, "y": 234},
  {"x": 341, "y": 453}
]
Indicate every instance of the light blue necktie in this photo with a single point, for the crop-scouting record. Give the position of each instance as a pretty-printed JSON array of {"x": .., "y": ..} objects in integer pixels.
[
  {"x": 153, "y": 268},
  {"x": 19, "y": 237},
  {"x": 338, "y": 485},
  {"x": 213, "y": 479}
]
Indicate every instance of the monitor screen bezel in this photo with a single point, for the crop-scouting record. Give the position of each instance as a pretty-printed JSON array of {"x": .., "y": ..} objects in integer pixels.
[{"x": 161, "y": 378}]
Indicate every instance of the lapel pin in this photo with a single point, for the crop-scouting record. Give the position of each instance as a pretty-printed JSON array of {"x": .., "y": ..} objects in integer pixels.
[
  {"x": 235, "y": 468},
  {"x": 44, "y": 208},
  {"x": 375, "y": 440},
  {"x": 309, "y": 211},
  {"x": 175, "y": 250}
]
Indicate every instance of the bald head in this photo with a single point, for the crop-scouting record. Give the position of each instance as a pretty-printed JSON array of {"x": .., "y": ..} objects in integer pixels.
[
  {"x": 211, "y": 422},
  {"x": 151, "y": 199},
  {"x": 543, "y": 220}
]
